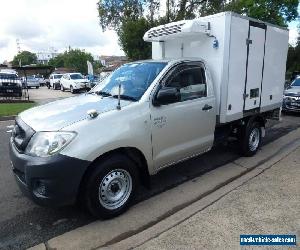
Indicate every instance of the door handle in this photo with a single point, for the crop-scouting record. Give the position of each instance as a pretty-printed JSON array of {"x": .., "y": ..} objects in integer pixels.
[{"x": 207, "y": 107}]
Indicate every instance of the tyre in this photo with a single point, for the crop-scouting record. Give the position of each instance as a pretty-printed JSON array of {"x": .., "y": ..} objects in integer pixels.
[
  {"x": 36, "y": 87},
  {"x": 110, "y": 187},
  {"x": 48, "y": 86},
  {"x": 72, "y": 90},
  {"x": 62, "y": 88},
  {"x": 251, "y": 139}
]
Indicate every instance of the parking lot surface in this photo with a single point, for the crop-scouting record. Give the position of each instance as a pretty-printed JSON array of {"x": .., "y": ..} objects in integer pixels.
[
  {"x": 44, "y": 95},
  {"x": 24, "y": 224}
]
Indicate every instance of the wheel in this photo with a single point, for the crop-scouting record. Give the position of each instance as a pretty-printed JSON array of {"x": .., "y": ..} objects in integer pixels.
[
  {"x": 36, "y": 87},
  {"x": 48, "y": 86},
  {"x": 62, "y": 88},
  {"x": 251, "y": 139},
  {"x": 71, "y": 89},
  {"x": 110, "y": 187}
]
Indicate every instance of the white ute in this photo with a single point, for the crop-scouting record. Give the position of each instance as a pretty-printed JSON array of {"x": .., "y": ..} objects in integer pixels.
[{"x": 210, "y": 78}]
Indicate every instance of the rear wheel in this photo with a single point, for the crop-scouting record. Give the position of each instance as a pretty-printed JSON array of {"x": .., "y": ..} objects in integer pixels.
[
  {"x": 62, "y": 88},
  {"x": 251, "y": 139},
  {"x": 110, "y": 188}
]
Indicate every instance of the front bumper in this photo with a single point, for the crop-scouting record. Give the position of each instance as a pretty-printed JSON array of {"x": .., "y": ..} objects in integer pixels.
[
  {"x": 50, "y": 181},
  {"x": 291, "y": 106},
  {"x": 80, "y": 86},
  {"x": 11, "y": 90}
]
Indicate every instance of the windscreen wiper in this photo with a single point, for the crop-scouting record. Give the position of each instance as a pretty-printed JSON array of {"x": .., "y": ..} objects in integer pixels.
[
  {"x": 126, "y": 97},
  {"x": 102, "y": 93}
]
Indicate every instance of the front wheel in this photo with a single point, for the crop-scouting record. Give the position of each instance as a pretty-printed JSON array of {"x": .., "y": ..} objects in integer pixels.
[
  {"x": 72, "y": 89},
  {"x": 251, "y": 139},
  {"x": 62, "y": 88},
  {"x": 110, "y": 188}
]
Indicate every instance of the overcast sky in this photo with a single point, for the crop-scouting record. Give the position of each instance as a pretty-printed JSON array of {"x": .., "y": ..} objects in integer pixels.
[{"x": 42, "y": 24}]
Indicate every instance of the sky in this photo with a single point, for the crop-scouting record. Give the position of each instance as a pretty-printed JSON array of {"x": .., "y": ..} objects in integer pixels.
[{"x": 41, "y": 25}]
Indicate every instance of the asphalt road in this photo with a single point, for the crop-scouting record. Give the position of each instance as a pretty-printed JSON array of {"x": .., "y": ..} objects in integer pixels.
[{"x": 24, "y": 224}]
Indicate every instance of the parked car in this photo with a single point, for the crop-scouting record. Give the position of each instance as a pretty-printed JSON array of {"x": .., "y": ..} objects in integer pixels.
[
  {"x": 291, "y": 97},
  {"x": 104, "y": 74},
  {"x": 32, "y": 82},
  {"x": 93, "y": 82},
  {"x": 41, "y": 80},
  {"x": 54, "y": 81},
  {"x": 10, "y": 84},
  {"x": 74, "y": 82},
  {"x": 149, "y": 115}
]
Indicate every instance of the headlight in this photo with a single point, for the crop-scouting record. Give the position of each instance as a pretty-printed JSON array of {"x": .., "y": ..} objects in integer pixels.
[{"x": 44, "y": 144}]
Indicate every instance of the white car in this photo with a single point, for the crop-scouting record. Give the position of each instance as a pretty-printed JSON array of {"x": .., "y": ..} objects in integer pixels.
[
  {"x": 55, "y": 81},
  {"x": 74, "y": 82}
]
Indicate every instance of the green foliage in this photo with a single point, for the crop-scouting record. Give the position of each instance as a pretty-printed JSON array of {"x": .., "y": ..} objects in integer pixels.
[
  {"x": 273, "y": 11},
  {"x": 75, "y": 59},
  {"x": 57, "y": 61},
  {"x": 7, "y": 109},
  {"x": 25, "y": 57},
  {"x": 293, "y": 59},
  {"x": 131, "y": 40}
]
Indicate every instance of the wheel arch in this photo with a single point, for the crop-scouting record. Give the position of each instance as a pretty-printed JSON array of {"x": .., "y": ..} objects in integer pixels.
[{"x": 133, "y": 153}]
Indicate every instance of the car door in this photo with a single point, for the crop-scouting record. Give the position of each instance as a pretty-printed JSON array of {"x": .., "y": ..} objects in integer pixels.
[
  {"x": 68, "y": 81},
  {"x": 184, "y": 128}
]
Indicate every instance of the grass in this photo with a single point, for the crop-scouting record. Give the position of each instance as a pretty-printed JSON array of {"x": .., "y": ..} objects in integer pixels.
[{"x": 8, "y": 109}]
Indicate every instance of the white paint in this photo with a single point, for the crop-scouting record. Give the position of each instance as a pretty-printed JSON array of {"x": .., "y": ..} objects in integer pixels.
[{"x": 227, "y": 63}]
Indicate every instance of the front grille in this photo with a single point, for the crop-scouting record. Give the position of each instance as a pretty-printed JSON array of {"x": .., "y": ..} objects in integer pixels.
[
  {"x": 166, "y": 30},
  {"x": 21, "y": 134}
]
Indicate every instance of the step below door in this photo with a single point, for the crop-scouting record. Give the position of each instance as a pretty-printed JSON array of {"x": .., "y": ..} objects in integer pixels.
[{"x": 255, "y": 64}]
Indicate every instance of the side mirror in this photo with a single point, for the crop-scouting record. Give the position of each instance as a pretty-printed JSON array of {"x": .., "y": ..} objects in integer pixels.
[{"x": 166, "y": 95}]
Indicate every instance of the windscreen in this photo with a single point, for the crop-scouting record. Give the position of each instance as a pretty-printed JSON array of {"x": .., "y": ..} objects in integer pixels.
[
  {"x": 76, "y": 76},
  {"x": 296, "y": 83},
  {"x": 134, "y": 79},
  {"x": 8, "y": 76}
]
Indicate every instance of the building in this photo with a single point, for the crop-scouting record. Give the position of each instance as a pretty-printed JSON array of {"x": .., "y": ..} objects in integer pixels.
[{"x": 44, "y": 57}]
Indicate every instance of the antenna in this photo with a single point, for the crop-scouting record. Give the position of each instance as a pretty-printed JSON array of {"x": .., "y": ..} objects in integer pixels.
[{"x": 119, "y": 98}]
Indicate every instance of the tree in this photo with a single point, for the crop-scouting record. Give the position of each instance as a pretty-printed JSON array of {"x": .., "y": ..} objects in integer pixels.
[
  {"x": 25, "y": 58},
  {"x": 293, "y": 59},
  {"x": 57, "y": 61},
  {"x": 75, "y": 59},
  {"x": 278, "y": 12},
  {"x": 131, "y": 40}
]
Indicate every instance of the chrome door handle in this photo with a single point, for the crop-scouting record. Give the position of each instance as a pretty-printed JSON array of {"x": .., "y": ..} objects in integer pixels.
[{"x": 207, "y": 107}]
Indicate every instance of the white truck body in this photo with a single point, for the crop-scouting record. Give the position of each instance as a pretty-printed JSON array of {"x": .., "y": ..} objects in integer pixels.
[{"x": 246, "y": 59}]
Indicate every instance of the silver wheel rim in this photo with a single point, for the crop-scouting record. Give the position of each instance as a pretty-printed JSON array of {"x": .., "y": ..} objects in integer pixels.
[
  {"x": 254, "y": 139},
  {"x": 115, "y": 189}
]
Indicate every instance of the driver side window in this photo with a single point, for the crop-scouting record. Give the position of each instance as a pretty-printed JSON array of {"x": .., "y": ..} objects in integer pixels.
[{"x": 190, "y": 81}]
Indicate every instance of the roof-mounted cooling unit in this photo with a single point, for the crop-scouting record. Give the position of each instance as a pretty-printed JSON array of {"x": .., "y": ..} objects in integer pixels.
[{"x": 178, "y": 29}]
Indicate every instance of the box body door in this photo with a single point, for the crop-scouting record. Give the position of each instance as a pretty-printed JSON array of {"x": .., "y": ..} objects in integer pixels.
[{"x": 254, "y": 65}]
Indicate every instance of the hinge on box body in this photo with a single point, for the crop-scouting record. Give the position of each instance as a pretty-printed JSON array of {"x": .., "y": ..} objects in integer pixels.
[
  {"x": 248, "y": 41},
  {"x": 245, "y": 96}
]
